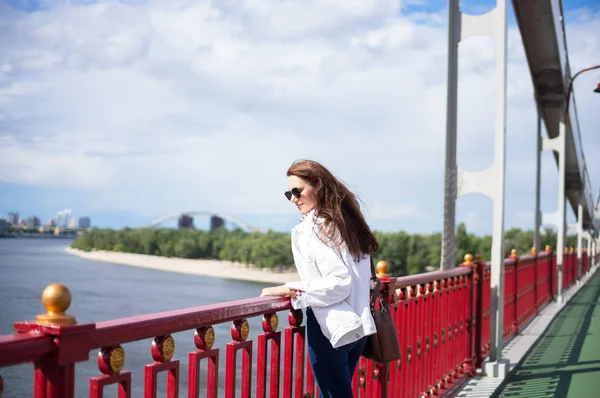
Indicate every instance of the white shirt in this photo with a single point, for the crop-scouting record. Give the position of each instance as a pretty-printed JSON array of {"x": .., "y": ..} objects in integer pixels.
[{"x": 333, "y": 284}]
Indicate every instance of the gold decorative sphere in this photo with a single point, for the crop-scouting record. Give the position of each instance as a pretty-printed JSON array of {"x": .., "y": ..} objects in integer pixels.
[
  {"x": 382, "y": 269},
  {"x": 548, "y": 248},
  {"x": 478, "y": 257},
  {"x": 468, "y": 258},
  {"x": 513, "y": 253},
  {"x": 56, "y": 298},
  {"x": 533, "y": 251}
]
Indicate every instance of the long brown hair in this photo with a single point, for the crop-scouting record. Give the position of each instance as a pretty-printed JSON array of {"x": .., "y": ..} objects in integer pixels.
[{"x": 338, "y": 206}]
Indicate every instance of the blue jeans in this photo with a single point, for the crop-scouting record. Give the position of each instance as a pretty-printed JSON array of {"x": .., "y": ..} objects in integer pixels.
[{"x": 333, "y": 367}]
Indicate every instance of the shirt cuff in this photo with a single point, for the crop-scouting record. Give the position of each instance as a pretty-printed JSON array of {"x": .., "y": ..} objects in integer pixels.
[
  {"x": 299, "y": 300},
  {"x": 297, "y": 304}
]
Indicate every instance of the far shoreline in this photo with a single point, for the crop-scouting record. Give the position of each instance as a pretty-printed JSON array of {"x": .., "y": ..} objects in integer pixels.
[{"x": 202, "y": 267}]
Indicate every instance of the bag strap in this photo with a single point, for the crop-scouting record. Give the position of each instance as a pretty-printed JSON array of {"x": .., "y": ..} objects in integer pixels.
[
  {"x": 373, "y": 275},
  {"x": 377, "y": 288}
]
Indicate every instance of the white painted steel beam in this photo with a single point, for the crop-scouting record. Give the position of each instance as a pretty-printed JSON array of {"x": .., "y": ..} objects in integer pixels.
[
  {"x": 490, "y": 182},
  {"x": 538, "y": 182},
  {"x": 476, "y": 182},
  {"x": 558, "y": 217},
  {"x": 562, "y": 216}
]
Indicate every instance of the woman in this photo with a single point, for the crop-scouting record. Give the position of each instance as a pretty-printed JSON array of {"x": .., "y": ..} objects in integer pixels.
[{"x": 332, "y": 245}]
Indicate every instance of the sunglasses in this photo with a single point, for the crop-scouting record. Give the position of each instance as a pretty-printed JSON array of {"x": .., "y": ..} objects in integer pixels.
[{"x": 295, "y": 191}]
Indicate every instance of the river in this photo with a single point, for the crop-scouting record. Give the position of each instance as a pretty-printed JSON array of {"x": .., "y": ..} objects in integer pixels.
[{"x": 102, "y": 291}]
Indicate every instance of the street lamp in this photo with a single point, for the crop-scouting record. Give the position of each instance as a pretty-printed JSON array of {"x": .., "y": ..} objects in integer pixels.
[
  {"x": 566, "y": 120},
  {"x": 597, "y": 90}
]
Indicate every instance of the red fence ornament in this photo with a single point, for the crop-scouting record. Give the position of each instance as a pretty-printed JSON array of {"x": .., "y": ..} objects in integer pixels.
[
  {"x": 110, "y": 362},
  {"x": 204, "y": 338}
]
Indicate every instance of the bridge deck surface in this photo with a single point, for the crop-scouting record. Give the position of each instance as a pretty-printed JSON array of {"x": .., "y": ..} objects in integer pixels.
[
  {"x": 557, "y": 345},
  {"x": 565, "y": 362}
]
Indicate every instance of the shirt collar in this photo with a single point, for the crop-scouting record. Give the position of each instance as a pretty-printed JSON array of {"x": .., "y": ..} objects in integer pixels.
[{"x": 310, "y": 213}]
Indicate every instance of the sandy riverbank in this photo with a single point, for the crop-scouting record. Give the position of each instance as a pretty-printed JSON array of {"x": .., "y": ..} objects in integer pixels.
[{"x": 218, "y": 269}]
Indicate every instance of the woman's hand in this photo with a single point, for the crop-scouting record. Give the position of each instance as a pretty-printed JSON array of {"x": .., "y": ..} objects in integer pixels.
[{"x": 278, "y": 291}]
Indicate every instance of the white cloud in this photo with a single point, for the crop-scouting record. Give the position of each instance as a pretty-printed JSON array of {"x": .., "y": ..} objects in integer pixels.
[{"x": 180, "y": 104}]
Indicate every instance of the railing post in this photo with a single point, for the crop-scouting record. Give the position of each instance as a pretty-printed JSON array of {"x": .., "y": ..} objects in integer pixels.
[
  {"x": 295, "y": 353},
  {"x": 566, "y": 269},
  {"x": 535, "y": 280},
  {"x": 382, "y": 371},
  {"x": 579, "y": 240},
  {"x": 552, "y": 272},
  {"x": 54, "y": 376},
  {"x": 514, "y": 326},
  {"x": 572, "y": 266},
  {"x": 54, "y": 381},
  {"x": 473, "y": 328},
  {"x": 587, "y": 252},
  {"x": 480, "y": 269}
]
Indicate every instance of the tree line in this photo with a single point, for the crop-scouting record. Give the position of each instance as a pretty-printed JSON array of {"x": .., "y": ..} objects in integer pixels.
[{"x": 405, "y": 253}]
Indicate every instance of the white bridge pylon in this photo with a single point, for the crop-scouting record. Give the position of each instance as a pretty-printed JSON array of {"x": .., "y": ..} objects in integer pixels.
[{"x": 176, "y": 216}]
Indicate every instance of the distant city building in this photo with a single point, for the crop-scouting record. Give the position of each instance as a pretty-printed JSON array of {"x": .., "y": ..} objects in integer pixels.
[
  {"x": 13, "y": 218},
  {"x": 85, "y": 222},
  {"x": 216, "y": 222},
  {"x": 62, "y": 221},
  {"x": 186, "y": 221},
  {"x": 3, "y": 225},
  {"x": 32, "y": 222},
  {"x": 62, "y": 218}
]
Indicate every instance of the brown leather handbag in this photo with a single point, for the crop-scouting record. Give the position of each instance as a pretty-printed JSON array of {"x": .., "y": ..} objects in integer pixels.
[{"x": 383, "y": 346}]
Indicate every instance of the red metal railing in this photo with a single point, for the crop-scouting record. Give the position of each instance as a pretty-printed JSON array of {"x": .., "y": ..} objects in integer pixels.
[
  {"x": 530, "y": 283},
  {"x": 442, "y": 319},
  {"x": 434, "y": 315}
]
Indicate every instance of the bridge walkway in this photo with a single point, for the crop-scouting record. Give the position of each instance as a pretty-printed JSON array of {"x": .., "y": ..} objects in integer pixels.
[
  {"x": 557, "y": 355},
  {"x": 565, "y": 362}
]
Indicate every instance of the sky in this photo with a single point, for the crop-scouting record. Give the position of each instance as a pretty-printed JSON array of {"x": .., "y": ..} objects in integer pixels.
[{"x": 127, "y": 111}]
